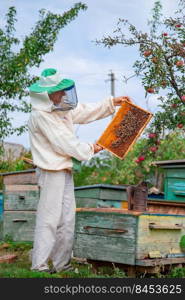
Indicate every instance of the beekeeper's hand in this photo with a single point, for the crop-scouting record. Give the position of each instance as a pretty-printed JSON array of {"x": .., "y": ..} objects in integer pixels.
[
  {"x": 119, "y": 100},
  {"x": 97, "y": 148}
]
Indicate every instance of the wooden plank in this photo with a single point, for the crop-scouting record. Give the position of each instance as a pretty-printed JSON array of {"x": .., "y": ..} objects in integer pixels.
[
  {"x": 29, "y": 161},
  {"x": 135, "y": 117},
  {"x": 20, "y": 187},
  {"x": 164, "y": 249},
  {"x": 165, "y": 203},
  {"x": 175, "y": 173},
  {"x": 166, "y": 226},
  {"x": 86, "y": 202},
  {"x": 109, "y": 210},
  {"x": 88, "y": 193},
  {"x": 102, "y": 191},
  {"x": 111, "y": 194},
  {"x": 108, "y": 221},
  {"x": 168, "y": 209},
  {"x": 102, "y": 186},
  {"x": 8, "y": 258},
  {"x": 22, "y": 230},
  {"x": 23, "y": 177},
  {"x": 168, "y": 162},
  {"x": 104, "y": 248},
  {"x": 159, "y": 261},
  {"x": 105, "y": 231},
  {"x": 95, "y": 203},
  {"x": 21, "y": 200}
]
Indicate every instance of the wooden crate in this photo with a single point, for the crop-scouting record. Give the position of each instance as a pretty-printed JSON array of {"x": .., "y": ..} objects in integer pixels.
[
  {"x": 127, "y": 237},
  {"x": 124, "y": 129}
]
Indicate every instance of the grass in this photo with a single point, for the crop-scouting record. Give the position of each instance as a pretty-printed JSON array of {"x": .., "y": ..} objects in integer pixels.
[{"x": 20, "y": 268}]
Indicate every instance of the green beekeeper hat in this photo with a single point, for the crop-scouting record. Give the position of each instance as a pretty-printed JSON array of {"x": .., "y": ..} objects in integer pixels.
[{"x": 51, "y": 81}]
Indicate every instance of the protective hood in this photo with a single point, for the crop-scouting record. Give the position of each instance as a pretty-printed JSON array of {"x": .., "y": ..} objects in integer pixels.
[{"x": 41, "y": 101}]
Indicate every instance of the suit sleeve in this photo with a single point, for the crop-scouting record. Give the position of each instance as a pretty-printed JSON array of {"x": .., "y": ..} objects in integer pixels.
[{"x": 86, "y": 113}]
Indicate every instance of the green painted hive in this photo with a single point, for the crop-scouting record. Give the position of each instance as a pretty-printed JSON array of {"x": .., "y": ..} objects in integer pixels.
[{"x": 174, "y": 179}]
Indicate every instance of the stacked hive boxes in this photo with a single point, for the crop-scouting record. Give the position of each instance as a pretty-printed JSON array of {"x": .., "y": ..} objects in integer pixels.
[{"x": 21, "y": 195}]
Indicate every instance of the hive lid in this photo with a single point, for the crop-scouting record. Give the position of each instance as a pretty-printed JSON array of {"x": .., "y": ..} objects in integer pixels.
[
  {"x": 170, "y": 163},
  {"x": 104, "y": 186},
  {"x": 124, "y": 129},
  {"x": 18, "y": 172}
]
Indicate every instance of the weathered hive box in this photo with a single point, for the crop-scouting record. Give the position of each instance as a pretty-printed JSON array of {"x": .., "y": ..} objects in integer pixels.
[
  {"x": 101, "y": 195},
  {"x": 21, "y": 195},
  {"x": 124, "y": 129},
  {"x": 174, "y": 179},
  {"x": 128, "y": 237}
]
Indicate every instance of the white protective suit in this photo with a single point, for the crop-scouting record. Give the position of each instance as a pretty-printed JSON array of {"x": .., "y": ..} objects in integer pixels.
[{"x": 53, "y": 144}]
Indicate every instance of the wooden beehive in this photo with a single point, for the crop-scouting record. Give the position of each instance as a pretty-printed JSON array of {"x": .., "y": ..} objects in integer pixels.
[
  {"x": 124, "y": 129},
  {"x": 20, "y": 197},
  {"x": 129, "y": 237}
]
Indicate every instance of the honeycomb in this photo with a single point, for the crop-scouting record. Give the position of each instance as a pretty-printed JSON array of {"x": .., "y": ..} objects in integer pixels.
[{"x": 124, "y": 129}]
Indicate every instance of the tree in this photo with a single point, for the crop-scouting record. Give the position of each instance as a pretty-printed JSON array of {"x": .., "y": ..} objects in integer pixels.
[
  {"x": 161, "y": 66},
  {"x": 105, "y": 168},
  {"x": 15, "y": 65}
]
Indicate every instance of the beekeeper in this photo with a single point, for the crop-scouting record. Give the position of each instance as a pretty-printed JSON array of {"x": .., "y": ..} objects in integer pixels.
[{"x": 54, "y": 148}]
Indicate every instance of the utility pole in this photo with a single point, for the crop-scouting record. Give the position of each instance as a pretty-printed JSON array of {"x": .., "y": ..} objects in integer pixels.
[
  {"x": 112, "y": 82},
  {"x": 112, "y": 85}
]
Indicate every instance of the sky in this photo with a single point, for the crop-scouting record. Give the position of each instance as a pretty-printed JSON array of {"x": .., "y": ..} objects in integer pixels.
[{"x": 77, "y": 56}]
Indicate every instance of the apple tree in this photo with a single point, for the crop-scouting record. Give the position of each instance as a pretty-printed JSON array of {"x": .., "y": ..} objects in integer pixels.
[{"x": 161, "y": 68}]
